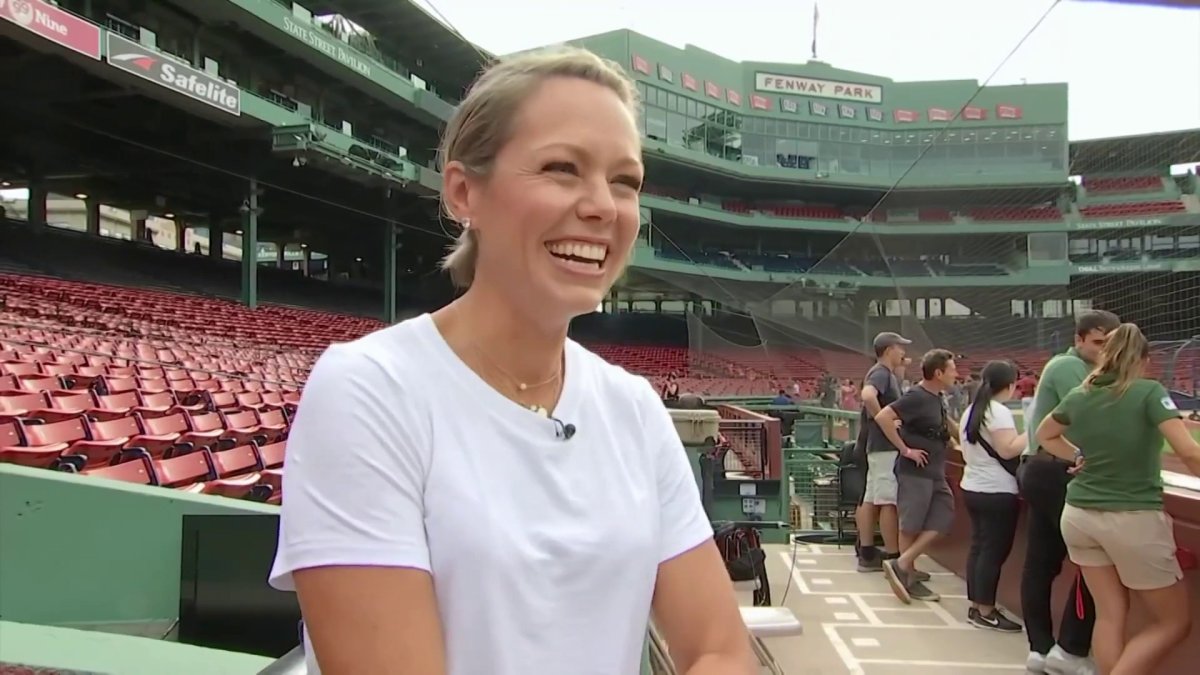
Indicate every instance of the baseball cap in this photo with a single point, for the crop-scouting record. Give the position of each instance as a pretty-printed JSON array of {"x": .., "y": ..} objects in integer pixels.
[{"x": 885, "y": 340}]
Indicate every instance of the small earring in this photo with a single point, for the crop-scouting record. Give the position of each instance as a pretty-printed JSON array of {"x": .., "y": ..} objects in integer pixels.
[{"x": 466, "y": 224}]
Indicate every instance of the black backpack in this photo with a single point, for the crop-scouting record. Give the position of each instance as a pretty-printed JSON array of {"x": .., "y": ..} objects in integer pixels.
[{"x": 852, "y": 472}]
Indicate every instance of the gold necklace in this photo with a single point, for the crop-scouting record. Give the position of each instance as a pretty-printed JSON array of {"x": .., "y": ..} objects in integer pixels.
[{"x": 522, "y": 386}]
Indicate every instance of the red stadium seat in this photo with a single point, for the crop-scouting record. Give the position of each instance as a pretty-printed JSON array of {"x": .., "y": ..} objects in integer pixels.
[
  {"x": 185, "y": 472},
  {"x": 138, "y": 470},
  {"x": 238, "y": 472}
]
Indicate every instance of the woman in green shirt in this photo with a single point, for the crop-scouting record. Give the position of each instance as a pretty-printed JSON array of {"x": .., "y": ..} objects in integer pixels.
[{"x": 1113, "y": 427}]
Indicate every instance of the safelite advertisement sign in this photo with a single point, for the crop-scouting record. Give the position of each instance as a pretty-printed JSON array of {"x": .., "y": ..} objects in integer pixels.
[
  {"x": 56, "y": 25},
  {"x": 179, "y": 77}
]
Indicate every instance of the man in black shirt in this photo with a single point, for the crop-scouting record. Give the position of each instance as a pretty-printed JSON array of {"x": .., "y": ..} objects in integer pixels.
[
  {"x": 880, "y": 388},
  {"x": 924, "y": 501}
]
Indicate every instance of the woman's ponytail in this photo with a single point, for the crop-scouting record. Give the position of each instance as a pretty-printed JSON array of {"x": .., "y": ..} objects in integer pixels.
[{"x": 996, "y": 377}]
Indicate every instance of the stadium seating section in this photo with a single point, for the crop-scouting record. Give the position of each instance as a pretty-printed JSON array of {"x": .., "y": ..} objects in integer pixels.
[
  {"x": 197, "y": 394},
  {"x": 1107, "y": 197}
]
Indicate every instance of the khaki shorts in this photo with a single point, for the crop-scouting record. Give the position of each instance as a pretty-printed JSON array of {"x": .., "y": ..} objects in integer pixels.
[
  {"x": 1140, "y": 544},
  {"x": 881, "y": 478}
]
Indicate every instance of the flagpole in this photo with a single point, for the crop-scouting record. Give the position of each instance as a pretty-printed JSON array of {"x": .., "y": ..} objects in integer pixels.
[{"x": 816, "y": 18}]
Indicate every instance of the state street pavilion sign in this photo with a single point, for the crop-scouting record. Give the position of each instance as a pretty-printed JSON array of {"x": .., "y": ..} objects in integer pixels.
[{"x": 808, "y": 86}]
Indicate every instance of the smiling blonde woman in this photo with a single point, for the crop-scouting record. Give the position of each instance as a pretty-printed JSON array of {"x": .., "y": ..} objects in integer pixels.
[{"x": 439, "y": 517}]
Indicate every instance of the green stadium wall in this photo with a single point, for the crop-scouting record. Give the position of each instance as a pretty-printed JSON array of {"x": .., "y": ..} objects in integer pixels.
[{"x": 83, "y": 552}]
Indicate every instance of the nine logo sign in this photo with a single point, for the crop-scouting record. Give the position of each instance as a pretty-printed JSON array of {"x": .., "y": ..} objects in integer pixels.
[{"x": 56, "y": 25}]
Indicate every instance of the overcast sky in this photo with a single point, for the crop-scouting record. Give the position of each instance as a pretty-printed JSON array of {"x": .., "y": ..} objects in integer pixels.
[{"x": 1131, "y": 69}]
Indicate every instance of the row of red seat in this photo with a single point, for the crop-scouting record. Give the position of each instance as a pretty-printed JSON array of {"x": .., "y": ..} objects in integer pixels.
[
  {"x": 181, "y": 317},
  {"x": 1117, "y": 184},
  {"x": 90, "y": 438},
  {"x": 154, "y": 445},
  {"x": 243, "y": 472},
  {"x": 1102, "y": 184}
]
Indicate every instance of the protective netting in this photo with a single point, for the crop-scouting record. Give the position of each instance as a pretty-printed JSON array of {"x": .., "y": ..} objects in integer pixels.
[
  {"x": 988, "y": 272},
  {"x": 1177, "y": 365}
]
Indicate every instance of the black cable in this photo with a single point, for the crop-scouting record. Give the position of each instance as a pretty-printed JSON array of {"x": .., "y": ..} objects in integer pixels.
[{"x": 791, "y": 571}]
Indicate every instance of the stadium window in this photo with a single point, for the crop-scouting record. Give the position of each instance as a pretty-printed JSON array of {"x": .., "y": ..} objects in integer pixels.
[
  {"x": 1080, "y": 247},
  {"x": 656, "y": 124},
  {"x": 961, "y": 153},
  {"x": 1021, "y": 149},
  {"x": 989, "y": 151},
  {"x": 1054, "y": 309},
  {"x": 1159, "y": 242},
  {"x": 677, "y": 129}
]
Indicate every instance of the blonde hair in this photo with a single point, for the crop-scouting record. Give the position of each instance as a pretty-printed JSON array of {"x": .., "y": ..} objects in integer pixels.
[
  {"x": 1125, "y": 350},
  {"x": 482, "y": 123}
]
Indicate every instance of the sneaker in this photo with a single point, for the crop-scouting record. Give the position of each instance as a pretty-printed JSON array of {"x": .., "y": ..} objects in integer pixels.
[
  {"x": 1035, "y": 663},
  {"x": 916, "y": 574},
  {"x": 870, "y": 564},
  {"x": 897, "y": 579},
  {"x": 1059, "y": 662},
  {"x": 919, "y": 591},
  {"x": 994, "y": 621}
]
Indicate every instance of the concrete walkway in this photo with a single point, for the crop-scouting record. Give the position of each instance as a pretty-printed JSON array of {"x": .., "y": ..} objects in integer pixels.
[{"x": 854, "y": 625}]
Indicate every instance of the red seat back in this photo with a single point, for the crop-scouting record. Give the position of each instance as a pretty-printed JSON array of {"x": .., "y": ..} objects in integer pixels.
[
  {"x": 66, "y": 431},
  {"x": 235, "y": 461},
  {"x": 193, "y": 467},
  {"x": 137, "y": 470},
  {"x": 272, "y": 455},
  {"x": 14, "y": 401}
]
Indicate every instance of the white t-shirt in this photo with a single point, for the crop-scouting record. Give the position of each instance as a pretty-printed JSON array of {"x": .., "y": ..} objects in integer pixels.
[
  {"x": 544, "y": 551},
  {"x": 982, "y": 473}
]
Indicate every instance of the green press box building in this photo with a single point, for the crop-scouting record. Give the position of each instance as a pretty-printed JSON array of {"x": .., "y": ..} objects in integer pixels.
[{"x": 787, "y": 122}]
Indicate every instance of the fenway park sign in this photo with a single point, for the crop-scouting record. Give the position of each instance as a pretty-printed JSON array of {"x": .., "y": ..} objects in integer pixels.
[
  {"x": 808, "y": 86},
  {"x": 166, "y": 72}
]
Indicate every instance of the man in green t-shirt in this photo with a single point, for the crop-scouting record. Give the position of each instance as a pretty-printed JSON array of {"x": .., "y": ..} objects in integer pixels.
[{"x": 1043, "y": 480}]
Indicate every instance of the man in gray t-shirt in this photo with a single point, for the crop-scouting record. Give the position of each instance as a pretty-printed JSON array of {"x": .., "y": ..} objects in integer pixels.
[
  {"x": 882, "y": 382},
  {"x": 924, "y": 501},
  {"x": 878, "y": 505}
]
